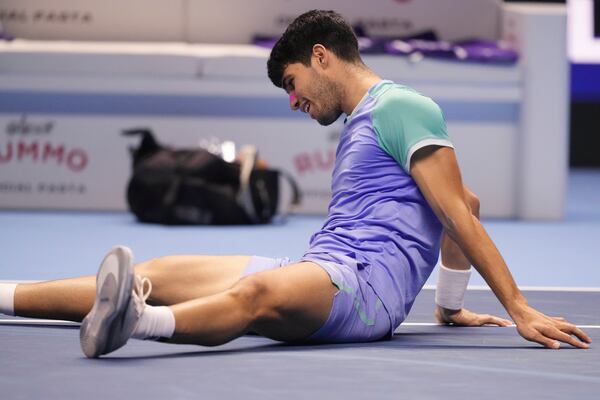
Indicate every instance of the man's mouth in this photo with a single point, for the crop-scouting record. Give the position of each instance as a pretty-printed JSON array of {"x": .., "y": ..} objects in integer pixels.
[{"x": 306, "y": 107}]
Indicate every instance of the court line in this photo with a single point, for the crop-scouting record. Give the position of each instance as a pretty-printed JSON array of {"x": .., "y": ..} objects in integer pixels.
[
  {"x": 436, "y": 324},
  {"x": 531, "y": 288},
  {"x": 51, "y": 322},
  {"x": 432, "y": 287},
  {"x": 40, "y": 322},
  {"x": 56, "y": 322}
]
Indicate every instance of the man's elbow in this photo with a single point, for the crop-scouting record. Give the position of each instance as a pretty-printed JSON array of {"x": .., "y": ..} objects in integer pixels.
[
  {"x": 473, "y": 202},
  {"x": 458, "y": 221}
]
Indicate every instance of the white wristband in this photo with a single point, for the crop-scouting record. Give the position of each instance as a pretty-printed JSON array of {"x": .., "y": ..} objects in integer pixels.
[
  {"x": 451, "y": 287},
  {"x": 7, "y": 298}
]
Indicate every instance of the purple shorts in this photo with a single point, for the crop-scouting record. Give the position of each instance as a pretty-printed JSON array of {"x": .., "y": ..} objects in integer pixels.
[{"x": 357, "y": 313}]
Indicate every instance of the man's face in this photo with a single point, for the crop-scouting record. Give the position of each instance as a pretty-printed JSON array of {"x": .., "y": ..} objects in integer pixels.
[{"x": 312, "y": 92}]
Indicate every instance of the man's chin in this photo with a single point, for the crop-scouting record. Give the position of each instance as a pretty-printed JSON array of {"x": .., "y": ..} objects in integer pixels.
[{"x": 328, "y": 120}]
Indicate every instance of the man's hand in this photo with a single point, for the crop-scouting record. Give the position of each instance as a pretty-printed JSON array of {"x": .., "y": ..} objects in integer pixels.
[
  {"x": 548, "y": 331},
  {"x": 532, "y": 325},
  {"x": 464, "y": 317}
]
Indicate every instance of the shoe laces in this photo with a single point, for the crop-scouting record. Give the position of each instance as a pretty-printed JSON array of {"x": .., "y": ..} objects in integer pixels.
[{"x": 141, "y": 292}]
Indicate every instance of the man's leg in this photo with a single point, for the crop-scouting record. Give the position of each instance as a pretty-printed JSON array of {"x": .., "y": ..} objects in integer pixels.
[
  {"x": 175, "y": 279},
  {"x": 287, "y": 304}
]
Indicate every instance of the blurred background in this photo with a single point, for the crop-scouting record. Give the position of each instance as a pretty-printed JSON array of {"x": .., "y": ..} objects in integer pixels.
[{"x": 518, "y": 81}]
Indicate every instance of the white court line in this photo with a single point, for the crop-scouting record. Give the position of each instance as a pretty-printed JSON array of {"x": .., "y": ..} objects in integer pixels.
[
  {"x": 56, "y": 322},
  {"x": 436, "y": 324},
  {"x": 532, "y": 288},
  {"x": 432, "y": 287},
  {"x": 51, "y": 322},
  {"x": 42, "y": 322}
]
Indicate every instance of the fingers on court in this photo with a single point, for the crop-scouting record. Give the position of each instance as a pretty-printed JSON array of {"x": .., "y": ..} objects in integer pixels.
[
  {"x": 574, "y": 330},
  {"x": 559, "y": 334},
  {"x": 490, "y": 319},
  {"x": 544, "y": 341}
]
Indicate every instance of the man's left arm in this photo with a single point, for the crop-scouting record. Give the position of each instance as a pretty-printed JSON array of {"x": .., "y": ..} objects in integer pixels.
[{"x": 436, "y": 172}]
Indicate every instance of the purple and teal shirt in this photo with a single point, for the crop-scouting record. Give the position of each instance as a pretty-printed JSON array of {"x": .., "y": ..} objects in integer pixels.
[{"x": 378, "y": 218}]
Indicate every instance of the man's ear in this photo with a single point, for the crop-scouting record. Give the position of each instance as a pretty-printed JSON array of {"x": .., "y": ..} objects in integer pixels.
[{"x": 320, "y": 55}]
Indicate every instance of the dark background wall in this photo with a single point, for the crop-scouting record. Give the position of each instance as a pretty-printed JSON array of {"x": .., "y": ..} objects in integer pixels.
[
  {"x": 585, "y": 108},
  {"x": 585, "y": 103},
  {"x": 596, "y": 18}
]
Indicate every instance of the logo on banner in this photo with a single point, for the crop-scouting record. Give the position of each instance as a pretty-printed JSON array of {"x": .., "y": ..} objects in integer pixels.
[
  {"x": 8, "y": 15},
  {"x": 317, "y": 160},
  {"x": 30, "y": 142}
]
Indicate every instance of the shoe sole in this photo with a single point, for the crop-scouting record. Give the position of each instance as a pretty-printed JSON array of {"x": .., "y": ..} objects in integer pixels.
[{"x": 114, "y": 284}]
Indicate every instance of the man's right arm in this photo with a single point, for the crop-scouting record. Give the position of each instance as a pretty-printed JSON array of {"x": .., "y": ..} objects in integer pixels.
[{"x": 437, "y": 174}]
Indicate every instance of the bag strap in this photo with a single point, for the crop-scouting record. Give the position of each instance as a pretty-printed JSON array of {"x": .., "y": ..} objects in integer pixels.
[
  {"x": 244, "y": 196},
  {"x": 296, "y": 195},
  {"x": 147, "y": 146},
  {"x": 281, "y": 217}
]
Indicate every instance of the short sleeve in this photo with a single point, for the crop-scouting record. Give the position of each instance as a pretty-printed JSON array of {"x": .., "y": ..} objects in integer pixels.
[{"x": 406, "y": 121}]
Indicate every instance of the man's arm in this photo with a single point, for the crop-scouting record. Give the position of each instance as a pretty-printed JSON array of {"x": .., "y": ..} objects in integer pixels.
[
  {"x": 455, "y": 266},
  {"x": 436, "y": 172}
]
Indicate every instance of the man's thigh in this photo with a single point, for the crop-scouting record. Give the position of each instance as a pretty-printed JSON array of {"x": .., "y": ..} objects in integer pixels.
[
  {"x": 180, "y": 278},
  {"x": 294, "y": 301}
]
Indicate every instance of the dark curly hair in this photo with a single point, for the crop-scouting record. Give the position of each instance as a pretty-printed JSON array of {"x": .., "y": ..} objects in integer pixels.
[{"x": 316, "y": 26}]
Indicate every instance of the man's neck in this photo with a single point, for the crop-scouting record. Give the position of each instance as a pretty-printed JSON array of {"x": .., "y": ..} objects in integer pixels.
[{"x": 356, "y": 82}]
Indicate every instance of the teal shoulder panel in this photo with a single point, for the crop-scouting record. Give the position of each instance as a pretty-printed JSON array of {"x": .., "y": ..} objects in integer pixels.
[{"x": 405, "y": 121}]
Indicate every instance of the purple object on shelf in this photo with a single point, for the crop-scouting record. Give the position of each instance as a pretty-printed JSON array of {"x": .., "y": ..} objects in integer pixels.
[
  {"x": 485, "y": 51},
  {"x": 264, "y": 41},
  {"x": 438, "y": 49},
  {"x": 378, "y": 45},
  {"x": 470, "y": 50},
  {"x": 425, "y": 45}
]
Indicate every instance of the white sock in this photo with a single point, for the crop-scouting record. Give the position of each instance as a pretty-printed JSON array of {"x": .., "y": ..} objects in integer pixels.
[
  {"x": 7, "y": 298},
  {"x": 155, "y": 323}
]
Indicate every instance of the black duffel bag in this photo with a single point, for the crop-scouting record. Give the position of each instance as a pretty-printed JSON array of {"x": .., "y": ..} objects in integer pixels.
[{"x": 195, "y": 186}]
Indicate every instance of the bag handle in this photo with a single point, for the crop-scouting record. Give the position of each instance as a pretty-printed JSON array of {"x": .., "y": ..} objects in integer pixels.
[
  {"x": 147, "y": 146},
  {"x": 296, "y": 195},
  {"x": 249, "y": 156}
]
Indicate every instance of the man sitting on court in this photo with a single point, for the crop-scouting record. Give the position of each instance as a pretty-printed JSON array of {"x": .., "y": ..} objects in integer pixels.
[{"x": 398, "y": 199}]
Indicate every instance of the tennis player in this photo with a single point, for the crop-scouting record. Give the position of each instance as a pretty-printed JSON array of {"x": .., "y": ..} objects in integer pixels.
[{"x": 398, "y": 200}]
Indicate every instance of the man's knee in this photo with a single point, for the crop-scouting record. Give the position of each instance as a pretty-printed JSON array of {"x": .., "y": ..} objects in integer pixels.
[{"x": 255, "y": 296}]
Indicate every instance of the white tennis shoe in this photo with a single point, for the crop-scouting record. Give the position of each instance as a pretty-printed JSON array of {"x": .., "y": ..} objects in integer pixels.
[{"x": 120, "y": 302}]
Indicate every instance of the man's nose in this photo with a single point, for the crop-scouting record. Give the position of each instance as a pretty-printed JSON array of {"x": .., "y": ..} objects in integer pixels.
[{"x": 294, "y": 103}]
